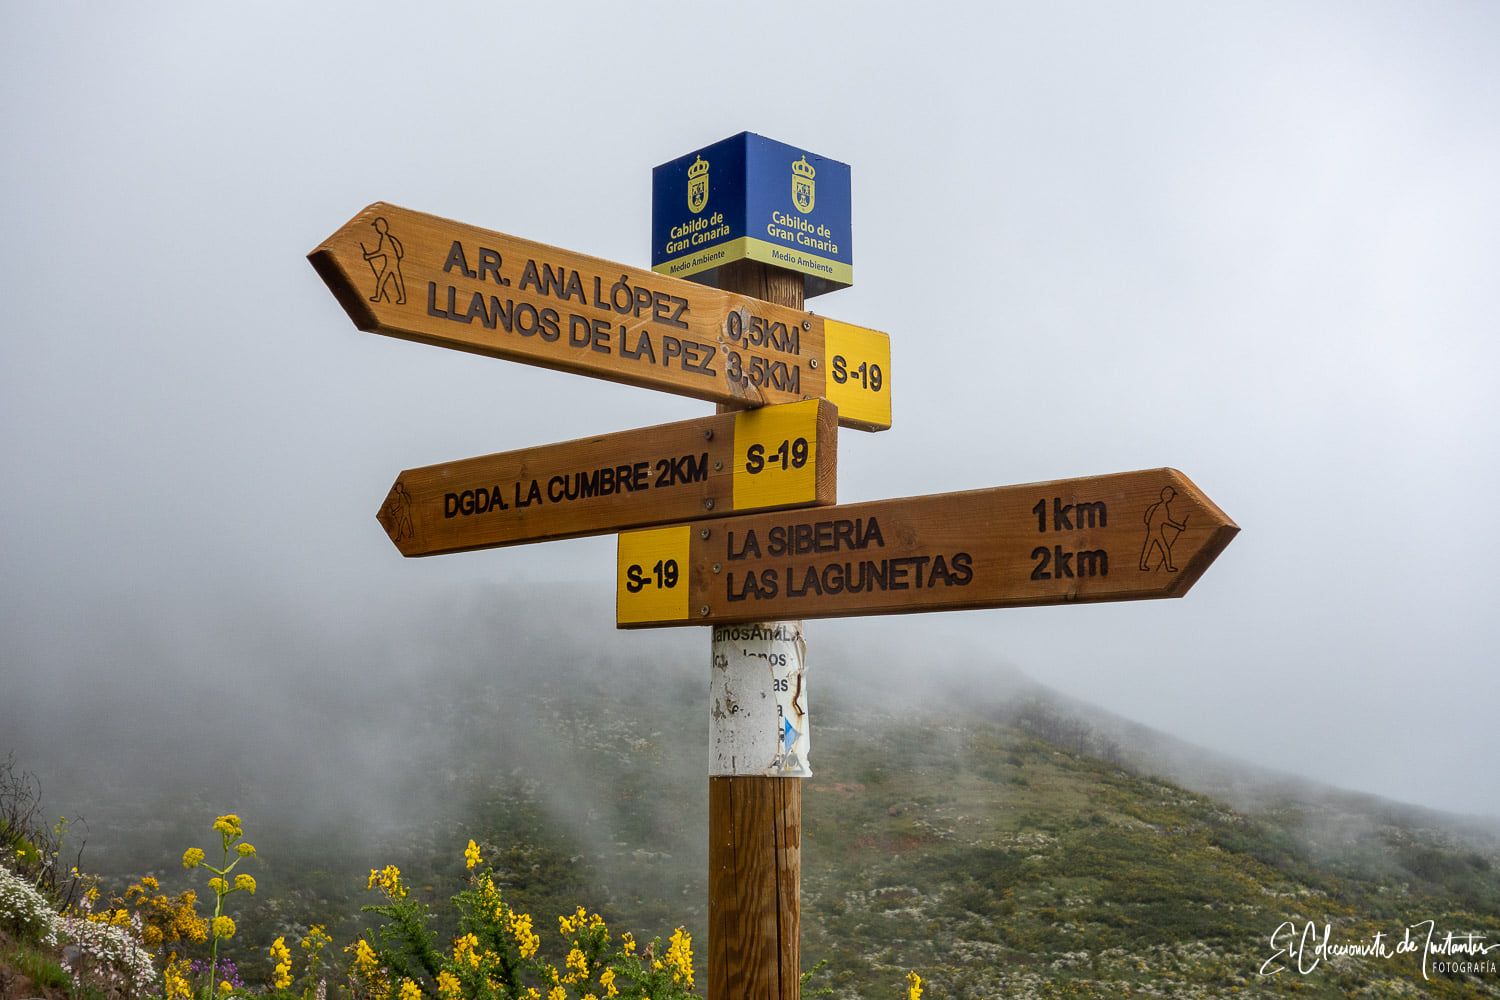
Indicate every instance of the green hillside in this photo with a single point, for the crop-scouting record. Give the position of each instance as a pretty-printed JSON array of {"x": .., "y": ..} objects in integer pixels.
[{"x": 1007, "y": 852}]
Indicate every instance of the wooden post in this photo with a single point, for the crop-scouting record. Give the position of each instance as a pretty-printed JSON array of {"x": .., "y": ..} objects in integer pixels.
[{"x": 755, "y": 823}]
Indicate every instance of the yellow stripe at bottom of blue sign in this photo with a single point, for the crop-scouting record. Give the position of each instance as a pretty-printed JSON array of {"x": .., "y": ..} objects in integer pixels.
[{"x": 750, "y": 248}]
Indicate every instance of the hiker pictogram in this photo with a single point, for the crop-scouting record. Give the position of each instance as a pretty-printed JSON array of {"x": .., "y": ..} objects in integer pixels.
[
  {"x": 395, "y": 513},
  {"x": 385, "y": 261},
  {"x": 1161, "y": 532}
]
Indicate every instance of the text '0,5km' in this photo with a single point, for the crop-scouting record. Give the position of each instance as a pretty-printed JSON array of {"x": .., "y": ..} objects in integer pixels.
[
  {"x": 770, "y": 458},
  {"x": 1127, "y": 536},
  {"x": 423, "y": 278}
]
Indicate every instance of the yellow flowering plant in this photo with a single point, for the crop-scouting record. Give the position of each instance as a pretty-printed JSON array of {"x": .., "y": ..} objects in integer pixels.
[
  {"x": 312, "y": 945},
  {"x": 221, "y": 926},
  {"x": 497, "y": 953}
]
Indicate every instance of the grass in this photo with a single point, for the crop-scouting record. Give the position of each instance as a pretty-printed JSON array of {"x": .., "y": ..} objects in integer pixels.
[{"x": 35, "y": 965}]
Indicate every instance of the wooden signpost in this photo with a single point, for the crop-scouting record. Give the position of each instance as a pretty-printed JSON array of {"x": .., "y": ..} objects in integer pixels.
[
  {"x": 419, "y": 277},
  {"x": 689, "y": 553},
  {"x": 1124, "y": 537},
  {"x": 769, "y": 458}
]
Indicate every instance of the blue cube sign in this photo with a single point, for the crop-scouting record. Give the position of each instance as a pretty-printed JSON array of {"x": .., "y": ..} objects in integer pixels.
[{"x": 752, "y": 198}]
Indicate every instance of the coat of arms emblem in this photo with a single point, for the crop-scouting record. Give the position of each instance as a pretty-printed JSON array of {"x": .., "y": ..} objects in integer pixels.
[
  {"x": 804, "y": 188},
  {"x": 698, "y": 185}
]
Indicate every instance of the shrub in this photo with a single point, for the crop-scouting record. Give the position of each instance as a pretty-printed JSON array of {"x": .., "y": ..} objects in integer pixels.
[
  {"x": 109, "y": 955},
  {"x": 496, "y": 955},
  {"x": 25, "y": 911}
]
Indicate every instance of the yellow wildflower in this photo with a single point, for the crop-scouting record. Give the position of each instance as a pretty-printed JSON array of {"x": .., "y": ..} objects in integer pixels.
[
  {"x": 471, "y": 855},
  {"x": 532, "y": 994},
  {"x": 218, "y": 885},
  {"x": 607, "y": 980},
  {"x": 152, "y": 936},
  {"x": 225, "y": 987},
  {"x": 229, "y": 826},
  {"x": 520, "y": 929},
  {"x": 464, "y": 950},
  {"x": 448, "y": 986},
  {"x": 388, "y": 880},
  {"x": 680, "y": 957},
  {"x": 174, "y": 978},
  {"x": 410, "y": 990},
  {"x": 223, "y": 927},
  {"x": 192, "y": 857},
  {"x": 557, "y": 993},
  {"x": 913, "y": 986},
  {"x": 577, "y": 966},
  {"x": 245, "y": 850},
  {"x": 147, "y": 882},
  {"x": 366, "y": 966},
  {"x": 627, "y": 941},
  {"x": 92, "y": 895},
  {"x": 316, "y": 940},
  {"x": 282, "y": 956},
  {"x": 245, "y": 882}
]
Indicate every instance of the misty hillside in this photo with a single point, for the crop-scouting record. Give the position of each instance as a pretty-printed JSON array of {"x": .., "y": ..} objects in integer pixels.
[{"x": 1007, "y": 842}]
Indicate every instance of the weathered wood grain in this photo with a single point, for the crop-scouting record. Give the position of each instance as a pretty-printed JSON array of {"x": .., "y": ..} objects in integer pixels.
[
  {"x": 435, "y": 281},
  {"x": 708, "y": 467},
  {"x": 1128, "y": 536}
]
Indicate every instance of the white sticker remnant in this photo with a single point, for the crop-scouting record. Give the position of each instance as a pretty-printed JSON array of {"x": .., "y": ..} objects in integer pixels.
[{"x": 758, "y": 721}]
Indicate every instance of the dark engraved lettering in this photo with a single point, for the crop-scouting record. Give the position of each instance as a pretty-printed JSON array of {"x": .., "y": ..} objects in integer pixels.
[
  {"x": 528, "y": 276},
  {"x": 489, "y": 264},
  {"x": 643, "y": 348},
  {"x": 1092, "y": 515},
  {"x": 478, "y": 304},
  {"x": 575, "y": 288},
  {"x": 963, "y": 569},
  {"x": 1061, "y": 519},
  {"x": 671, "y": 348},
  {"x": 1043, "y": 555},
  {"x": 1094, "y": 563},
  {"x": 456, "y": 259},
  {"x": 755, "y": 585},
  {"x": 480, "y": 501},
  {"x": 750, "y": 547},
  {"x": 577, "y": 323}
]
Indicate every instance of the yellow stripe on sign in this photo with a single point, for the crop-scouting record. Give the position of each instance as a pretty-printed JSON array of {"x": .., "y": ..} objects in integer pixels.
[
  {"x": 776, "y": 456},
  {"x": 859, "y": 372},
  {"x": 651, "y": 583},
  {"x": 796, "y": 259},
  {"x": 703, "y": 260}
]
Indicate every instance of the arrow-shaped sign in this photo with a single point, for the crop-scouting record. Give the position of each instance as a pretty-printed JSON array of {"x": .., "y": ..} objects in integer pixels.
[
  {"x": 419, "y": 277},
  {"x": 1122, "y": 537},
  {"x": 769, "y": 458}
]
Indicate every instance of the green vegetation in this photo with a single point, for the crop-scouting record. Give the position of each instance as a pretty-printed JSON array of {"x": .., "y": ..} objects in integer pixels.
[
  {"x": 1017, "y": 854},
  {"x": 36, "y": 965}
]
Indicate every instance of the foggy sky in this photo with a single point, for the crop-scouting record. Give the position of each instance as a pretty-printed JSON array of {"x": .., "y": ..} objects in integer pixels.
[{"x": 1256, "y": 244}]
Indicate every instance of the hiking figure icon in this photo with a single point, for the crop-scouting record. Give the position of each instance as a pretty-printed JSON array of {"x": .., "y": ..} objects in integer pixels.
[
  {"x": 385, "y": 261},
  {"x": 395, "y": 513},
  {"x": 1161, "y": 532}
]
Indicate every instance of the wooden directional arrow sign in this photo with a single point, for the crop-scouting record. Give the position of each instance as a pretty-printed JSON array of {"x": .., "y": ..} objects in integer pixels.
[
  {"x": 1121, "y": 537},
  {"x": 422, "y": 278},
  {"x": 769, "y": 458}
]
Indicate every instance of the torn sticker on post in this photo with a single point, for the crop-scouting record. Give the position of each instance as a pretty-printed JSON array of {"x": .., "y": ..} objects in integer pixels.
[{"x": 758, "y": 709}]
